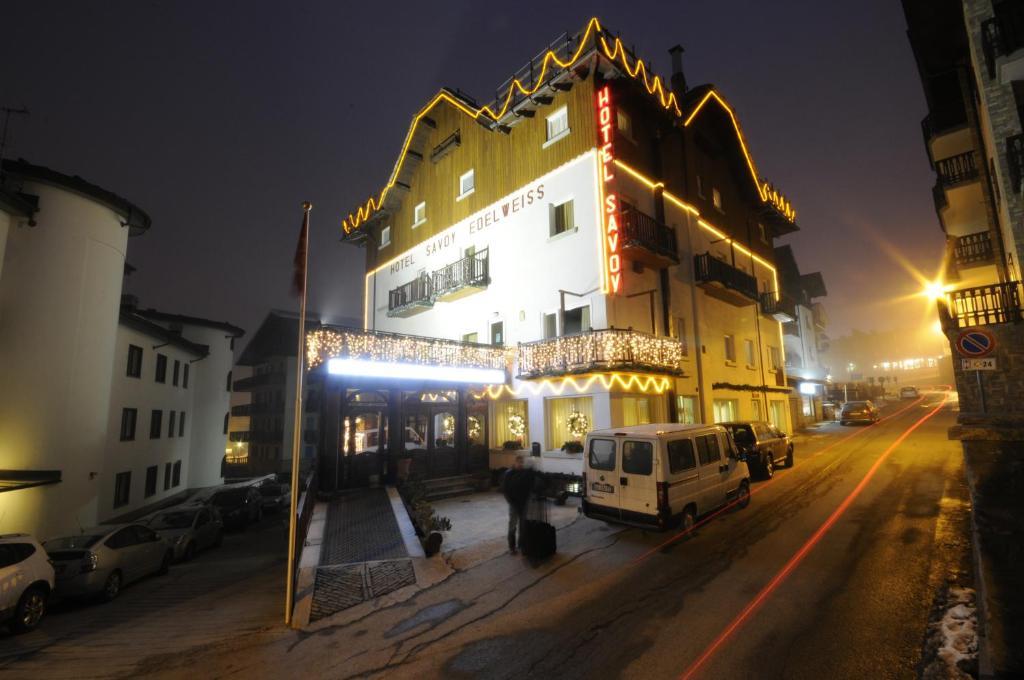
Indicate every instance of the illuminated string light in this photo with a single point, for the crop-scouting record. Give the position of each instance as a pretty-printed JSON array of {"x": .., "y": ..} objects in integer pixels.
[
  {"x": 610, "y": 349},
  {"x": 615, "y": 53},
  {"x": 328, "y": 343},
  {"x": 646, "y": 384}
]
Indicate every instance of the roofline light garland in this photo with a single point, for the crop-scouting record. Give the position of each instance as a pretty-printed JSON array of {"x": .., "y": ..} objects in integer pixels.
[{"x": 615, "y": 53}]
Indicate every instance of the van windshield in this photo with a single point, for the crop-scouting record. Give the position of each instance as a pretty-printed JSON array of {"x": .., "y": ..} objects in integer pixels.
[{"x": 602, "y": 454}]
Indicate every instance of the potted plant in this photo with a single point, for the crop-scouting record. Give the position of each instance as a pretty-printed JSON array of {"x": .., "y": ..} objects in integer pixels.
[{"x": 572, "y": 446}]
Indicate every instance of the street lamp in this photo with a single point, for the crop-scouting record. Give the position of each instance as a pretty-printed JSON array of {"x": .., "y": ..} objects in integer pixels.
[{"x": 936, "y": 290}]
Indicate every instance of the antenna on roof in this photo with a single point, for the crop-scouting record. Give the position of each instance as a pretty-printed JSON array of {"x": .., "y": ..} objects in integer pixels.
[{"x": 8, "y": 111}]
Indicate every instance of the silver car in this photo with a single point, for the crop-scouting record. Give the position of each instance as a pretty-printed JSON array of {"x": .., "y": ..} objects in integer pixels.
[
  {"x": 188, "y": 529},
  {"x": 102, "y": 560}
]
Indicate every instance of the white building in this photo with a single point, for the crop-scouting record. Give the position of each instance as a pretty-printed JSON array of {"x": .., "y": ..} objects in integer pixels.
[{"x": 64, "y": 364}]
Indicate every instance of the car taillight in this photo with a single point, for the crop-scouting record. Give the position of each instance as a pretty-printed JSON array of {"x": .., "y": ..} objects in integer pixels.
[
  {"x": 663, "y": 497},
  {"x": 583, "y": 490},
  {"x": 88, "y": 563}
]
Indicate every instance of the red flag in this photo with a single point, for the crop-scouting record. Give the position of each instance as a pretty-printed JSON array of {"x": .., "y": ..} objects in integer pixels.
[{"x": 301, "y": 255}]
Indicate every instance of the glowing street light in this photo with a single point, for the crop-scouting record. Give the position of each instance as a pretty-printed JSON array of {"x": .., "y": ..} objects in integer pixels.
[{"x": 936, "y": 290}]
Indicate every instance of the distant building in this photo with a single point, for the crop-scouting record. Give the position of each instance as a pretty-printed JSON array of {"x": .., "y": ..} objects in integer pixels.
[{"x": 90, "y": 387}]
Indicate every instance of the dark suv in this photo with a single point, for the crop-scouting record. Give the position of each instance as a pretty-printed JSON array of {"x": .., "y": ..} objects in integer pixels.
[
  {"x": 762, "y": 445},
  {"x": 238, "y": 505}
]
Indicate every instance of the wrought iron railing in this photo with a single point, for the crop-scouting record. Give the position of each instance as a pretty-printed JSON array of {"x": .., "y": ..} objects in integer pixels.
[
  {"x": 982, "y": 306},
  {"x": 418, "y": 291},
  {"x": 785, "y": 305},
  {"x": 472, "y": 270},
  {"x": 329, "y": 342},
  {"x": 974, "y": 249},
  {"x": 598, "y": 351},
  {"x": 709, "y": 269},
  {"x": 957, "y": 169},
  {"x": 641, "y": 229}
]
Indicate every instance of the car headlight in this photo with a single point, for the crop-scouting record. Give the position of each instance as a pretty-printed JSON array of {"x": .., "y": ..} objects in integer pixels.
[{"x": 88, "y": 563}]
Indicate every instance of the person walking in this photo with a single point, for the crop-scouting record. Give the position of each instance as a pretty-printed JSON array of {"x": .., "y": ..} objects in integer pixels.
[{"x": 516, "y": 485}]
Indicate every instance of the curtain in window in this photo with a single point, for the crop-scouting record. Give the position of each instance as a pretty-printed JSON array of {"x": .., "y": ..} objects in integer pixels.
[
  {"x": 636, "y": 411},
  {"x": 686, "y": 410},
  {"x": 777, "y": 414},
  {"x": 559, "y": 413},
  {"x": 725, "y": 410},
  {"x": 509, "y": 423}
]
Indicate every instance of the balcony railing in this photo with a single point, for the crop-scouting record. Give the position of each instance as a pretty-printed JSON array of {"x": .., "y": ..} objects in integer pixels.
[
  {"x": 712, "y": 272},
  {"x": 1003, "y": 34},
  {"x": 469, "y": 273},
  {"x": 782, "y": 310},
  {"x": 331, "y": 342},
  {"x": 957, "y": 169},
  {"x": 647, "y": 240},
  {"x": 1015, "y": 159},
  {"x": 414, "y": 296},
  {"x": 974, "y": 250},
  {"x": 601, "y": 351},
  {"x": 982, "y": 306}
]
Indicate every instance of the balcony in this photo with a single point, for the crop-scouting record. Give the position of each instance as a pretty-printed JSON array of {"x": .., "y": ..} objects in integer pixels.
[
  {"x": 782, "y": 310},
  {"x": 956, "y": 170},
  {"x": 261, "y": 380},
  {"x": 412, "y": 298},
  {"x": 463, "y": 277},
  {"x": 600, "y": 351},
  {"x": 973, "y": 250},
  {"x": 722, "y": 280},
  {"x": 982, "y": 306},
  {"x": 239, "y": 436},
  {"x": 1003, "y": 34},
  {"x": 647, "y": 240}
]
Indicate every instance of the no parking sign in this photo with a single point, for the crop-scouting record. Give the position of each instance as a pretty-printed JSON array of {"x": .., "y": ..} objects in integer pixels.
[{"x": 974, "y": 343}]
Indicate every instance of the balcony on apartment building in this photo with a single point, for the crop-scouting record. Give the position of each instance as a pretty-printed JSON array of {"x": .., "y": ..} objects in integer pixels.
[
  {"x": 646, "y": 240},
  {"x": 973, "y": 250},
  {"x": 959, "y": 201},
  {"x": 782, "y": 310},
  {"x": 451, "y": 282},
  {"x": 260, "y": 380},
  {"x": 720, "y": 279},
  {"x": 996, "y": 303},
  {"x": 600, "y": 351},
  {"x": 1002, "y": 41}
]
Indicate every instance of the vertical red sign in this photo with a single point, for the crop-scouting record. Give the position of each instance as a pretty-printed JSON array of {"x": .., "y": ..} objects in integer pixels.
[{"x": 610, "y": 203}]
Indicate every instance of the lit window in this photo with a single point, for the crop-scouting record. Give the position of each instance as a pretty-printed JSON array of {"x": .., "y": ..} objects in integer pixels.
[
  {"x": 748, "y": 345},
  {"x": 385, "y": 236},
  {"x": 725, "y": 410},
  {"x": 730, "y": 348},
  {"x": 716, "y": 198},
  {"x": 419, "y": 214},
  {"x": 562, "y": 218},
  {"x": 470, "y": 337},
  {"x": 686, "y": 409},
  {"x": 568, "y": 420},
  {"x": 558, "y": 124},
  {"x": 624, "y": 123},
  {"x": 467, "y": 184},
  {"x": 700, "y": 186},
  {"x": 775, "y": 358}
]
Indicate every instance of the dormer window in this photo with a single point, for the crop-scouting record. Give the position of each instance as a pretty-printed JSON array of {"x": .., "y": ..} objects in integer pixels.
[
  {"x": 558, "y": 125},
  {"x": 419, "y": 214},
  {"x": 467, "y": 185}
]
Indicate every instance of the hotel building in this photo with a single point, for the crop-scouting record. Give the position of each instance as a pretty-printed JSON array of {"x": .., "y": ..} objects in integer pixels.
[{"x": 593, "y": 249}]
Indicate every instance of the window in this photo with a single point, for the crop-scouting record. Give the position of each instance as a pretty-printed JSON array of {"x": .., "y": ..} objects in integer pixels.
[
  {"x": 636, "y": 411},
  {"x": 576, "y": 320},
  {"x": 184, "y": 377},
  {"x": 228, "y": 386},
  {"x": 156, "y": 420},
  {"x": 725, "y": 410},
  {"x": 558, "y": 124},
  {"x": 730, "y": 348},
  {"x": 181, "y": 425},
  {"x": 509, "y": 423},
  {"x": 177, "y": 373},
  {"x": 700, "y": 186},
  {"x": 679, "y": 332},
  {"x": 498, "y": 333},
  {"x": 122, "y": 488},
  {"x": 151, "y": 472},
  {"x": 748, "y": 347},
  {"x": 167, "y": 476},
  {"x": 176, "y": 474},
  {"x": 467, "y": 184},
  {"x": 227, "y": 417},
  {"x": 680, "y": 456},
  {"x": 561, "y": 218},
  {"x": 686, "y": 410},
  {"x": 15, "y": 553},
  {"x": 762, "y": 231},
  {"x": 385, "y": 236},
  {"x": 755, "y": 408},
  {"x": 777, "y": 414},
  {"x": 134, "y": 361},
  {"x": 550, "y": 323},
  {"x": 568, "y": 419},
  {"x": 161, "y": 368},
  {"x": 128, "y": 418},
  {"x": 624, "y": 123},
  {"x": 774, "y": 358},
  {"x": 637, "y": 458},
  {"x": 470, "y": 337},
  {"x": 707, "y": 449},
  {"x": 419, "y": 214},
  {"x": 124, "y": 538},
  {"x": 170, "y": 425},
  {"x": 602, "y": 454},
  {"x": 716, "y": 199}
]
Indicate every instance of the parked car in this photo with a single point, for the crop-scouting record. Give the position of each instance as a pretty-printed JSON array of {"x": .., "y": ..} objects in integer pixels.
[
  {"x": 762, "y": 445},
  {"x": 102, "y": 560},
  {"x": 662, "y": 474},
  {"x": 909, "y": 392},
  {"x": 238, "y": 505},
  {"x": 276, "y": 496},
  {"x": 26, "y": 581},
  {"x": 188, "y": 529},
  {"x": 858, "y": 412}
]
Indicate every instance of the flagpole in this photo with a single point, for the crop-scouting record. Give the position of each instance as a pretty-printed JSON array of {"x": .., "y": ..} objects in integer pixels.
[{"x": 297, "y": 426}]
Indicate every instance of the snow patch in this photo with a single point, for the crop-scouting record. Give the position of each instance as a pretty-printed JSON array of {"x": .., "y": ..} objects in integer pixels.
[{"x": 953, "y": 638}]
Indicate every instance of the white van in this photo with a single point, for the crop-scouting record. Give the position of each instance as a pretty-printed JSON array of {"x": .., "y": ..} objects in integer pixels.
[{"x": 662, "y": 474}]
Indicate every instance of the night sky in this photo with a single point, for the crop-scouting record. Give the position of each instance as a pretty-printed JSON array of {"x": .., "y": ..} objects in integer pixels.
[{"x": 220, "y": 118}]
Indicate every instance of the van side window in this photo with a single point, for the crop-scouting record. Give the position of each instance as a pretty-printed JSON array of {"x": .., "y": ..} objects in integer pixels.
[
  {"x": 680, "y": 456},
  {"x": 602, "y": 454},
  {"x": 707, "y": 449},
  {"x": 714, "y": 451},
  {"x": 638, "y": 458}
]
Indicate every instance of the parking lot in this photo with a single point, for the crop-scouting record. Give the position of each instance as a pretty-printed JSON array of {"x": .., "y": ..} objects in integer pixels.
[{"x": 223, "y": 592}]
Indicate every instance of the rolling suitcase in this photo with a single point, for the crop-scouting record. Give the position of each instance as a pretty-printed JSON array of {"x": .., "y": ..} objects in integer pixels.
[{"x": 539, "y": 541}]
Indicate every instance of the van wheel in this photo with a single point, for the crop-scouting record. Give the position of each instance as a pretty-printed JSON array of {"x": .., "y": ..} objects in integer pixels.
[
  {"x": 30, "y": 610},
  {"x": 743, "y": 495},
  {"x": 688, "y": 521}
]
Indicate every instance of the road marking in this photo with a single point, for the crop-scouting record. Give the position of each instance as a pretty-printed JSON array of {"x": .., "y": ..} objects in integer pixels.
[{"x": 804, "y": 550}]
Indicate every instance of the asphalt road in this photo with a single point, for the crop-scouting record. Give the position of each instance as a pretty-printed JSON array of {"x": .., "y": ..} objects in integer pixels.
[{"x": 829, "y": 573}]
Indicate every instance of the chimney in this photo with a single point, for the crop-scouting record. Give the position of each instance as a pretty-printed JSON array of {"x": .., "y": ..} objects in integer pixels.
[{"x": 678, "y": 77}]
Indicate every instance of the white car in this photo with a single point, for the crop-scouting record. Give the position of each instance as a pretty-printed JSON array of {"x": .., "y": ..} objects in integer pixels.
[
  {"x": 26, "y": 581},
  {"x": 909, "y": 393}
]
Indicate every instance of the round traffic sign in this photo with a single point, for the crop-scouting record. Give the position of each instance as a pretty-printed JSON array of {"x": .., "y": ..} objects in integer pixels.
[{"x": 975, "y": 342}]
